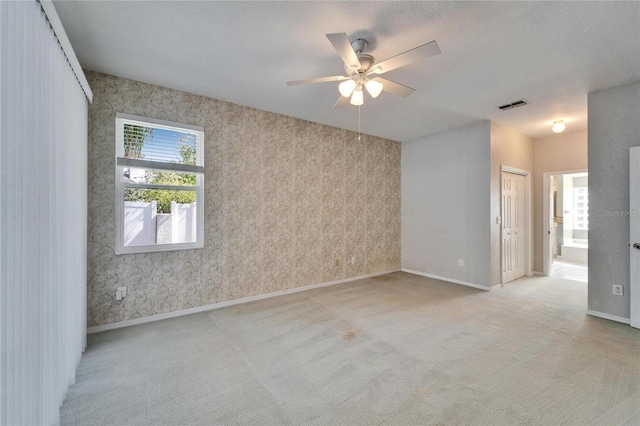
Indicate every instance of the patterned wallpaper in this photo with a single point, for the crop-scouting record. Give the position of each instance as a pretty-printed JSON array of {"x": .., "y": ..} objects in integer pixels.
[{"x": 284, "y": 200}]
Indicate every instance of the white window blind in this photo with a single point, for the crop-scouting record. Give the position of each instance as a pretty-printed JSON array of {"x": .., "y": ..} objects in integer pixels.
[
  {"x": 43, "y": 213},
  {"x": 145, "y": 144}
]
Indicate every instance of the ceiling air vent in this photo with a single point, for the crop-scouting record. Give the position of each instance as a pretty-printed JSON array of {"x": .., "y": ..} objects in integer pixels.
[{"x": 516, "y": 104}]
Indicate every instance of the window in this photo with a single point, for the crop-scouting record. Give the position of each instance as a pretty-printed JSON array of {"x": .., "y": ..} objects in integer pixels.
[
  {"x": 581, "y": 207},
  {"x": 159, "y": 185}
]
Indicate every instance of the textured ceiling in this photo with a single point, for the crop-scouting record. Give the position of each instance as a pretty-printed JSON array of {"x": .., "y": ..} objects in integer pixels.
[{"x": 550, "y": 53}]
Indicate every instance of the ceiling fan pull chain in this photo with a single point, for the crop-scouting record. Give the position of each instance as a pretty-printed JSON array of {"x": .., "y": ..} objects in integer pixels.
[{"x": 358, "y": 122}]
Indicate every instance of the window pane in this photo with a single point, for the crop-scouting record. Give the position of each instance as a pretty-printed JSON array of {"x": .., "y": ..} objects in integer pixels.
[
  {"x": 162, "y": 177},
  {"x": 158, "y": 144},
  {"x": 159, "y": 216}
]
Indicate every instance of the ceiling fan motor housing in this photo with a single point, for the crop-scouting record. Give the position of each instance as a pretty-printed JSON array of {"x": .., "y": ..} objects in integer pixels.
[
  {"x": 366, "y": 63},
  {"x": 358, "y": 45}
]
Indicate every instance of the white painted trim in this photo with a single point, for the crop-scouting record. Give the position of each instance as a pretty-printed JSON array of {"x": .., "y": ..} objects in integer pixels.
[
  {"x": 538, "y": 273},
  {"x": 61, "y": 35},
  {"x": 226, "y": 303},
  {"x": 608, "y": 316},
  {"x": 634, "y": 235},
  {"x": 546, "y": 254},
  {"x": 451, "y": 280},
  {"x": 163, "y": 124},
  {"x": 528, "y": 219}
]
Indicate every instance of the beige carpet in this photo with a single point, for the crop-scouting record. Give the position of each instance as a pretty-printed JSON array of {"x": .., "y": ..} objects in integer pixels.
[{"x": 397, "y": 349}]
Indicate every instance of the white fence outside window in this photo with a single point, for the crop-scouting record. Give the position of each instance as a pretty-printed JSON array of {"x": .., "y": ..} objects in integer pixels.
[{"x": 143, "y": 225}]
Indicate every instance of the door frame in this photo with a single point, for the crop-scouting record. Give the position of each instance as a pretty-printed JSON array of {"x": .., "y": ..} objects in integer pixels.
[
  {"x": 634, "y": 236},
  {"x": 528, "y": 223},
  {"x": 546, "y": 253}
]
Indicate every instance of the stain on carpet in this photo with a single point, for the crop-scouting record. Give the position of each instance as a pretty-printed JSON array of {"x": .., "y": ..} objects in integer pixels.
[{"x": 349, "y": 335}]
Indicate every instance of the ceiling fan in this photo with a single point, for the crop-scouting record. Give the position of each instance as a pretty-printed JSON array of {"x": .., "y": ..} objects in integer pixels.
[{"x": 362, "y": 69}]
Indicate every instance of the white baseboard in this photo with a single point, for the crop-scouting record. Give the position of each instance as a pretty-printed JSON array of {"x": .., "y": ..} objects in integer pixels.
[
  {"x": 451, "y": 280},
  {"x": 608, "y": 316},
  {"x": 539, "y": 273},
  {"x": 159, "y": 317}
]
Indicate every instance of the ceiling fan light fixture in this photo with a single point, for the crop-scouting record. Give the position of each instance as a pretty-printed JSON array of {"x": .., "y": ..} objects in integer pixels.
[
  {"x": 357, "y": 98},
  {"x": 359, "y": 66},
  {"x": 373, "y": 87},
  {"x": 558, "y": 126},
  {"x": 346, "y": 87}
]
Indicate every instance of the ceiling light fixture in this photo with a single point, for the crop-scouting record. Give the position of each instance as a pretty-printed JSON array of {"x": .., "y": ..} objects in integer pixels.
[
  {"x": 363, "y": 70},
  {"x": 558, "y": 126},
  {"x": 358, "y": 97},
  {"x": 346, "y": 87},
  {"x": 373, "y": 87},
  {"x": 353, "y": 88}
]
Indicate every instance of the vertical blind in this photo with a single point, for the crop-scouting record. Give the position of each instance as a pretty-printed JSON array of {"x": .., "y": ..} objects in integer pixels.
[{"x": 43, "y": 216}]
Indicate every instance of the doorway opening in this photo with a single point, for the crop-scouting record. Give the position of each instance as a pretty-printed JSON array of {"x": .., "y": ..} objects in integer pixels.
[{"x": 566, "y": 220}]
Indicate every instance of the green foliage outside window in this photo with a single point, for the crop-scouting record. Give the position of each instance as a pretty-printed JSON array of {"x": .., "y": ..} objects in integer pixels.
[
  {"x": 162, "y": 197},
  {"x": 134, "y": 137}
]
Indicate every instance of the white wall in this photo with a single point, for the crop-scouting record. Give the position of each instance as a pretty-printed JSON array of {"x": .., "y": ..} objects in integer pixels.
[
  {"x": 513, "y": 149},
  {"x": 445, "y": 204},
  {"x": 557, "y": 153},
  {"x": 614, "y": 127}
]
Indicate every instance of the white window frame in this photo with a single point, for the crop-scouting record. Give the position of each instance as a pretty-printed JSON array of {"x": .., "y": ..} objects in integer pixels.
[{"x": 121, "y": 120}]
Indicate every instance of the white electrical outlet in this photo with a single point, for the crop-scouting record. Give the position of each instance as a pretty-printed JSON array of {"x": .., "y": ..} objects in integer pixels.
[
  {"x": 353, "y": 260},
  {"x": 460, "y": 262},
  {"x": 618, "y": 290},
  {"x": 121, "y": 293}
]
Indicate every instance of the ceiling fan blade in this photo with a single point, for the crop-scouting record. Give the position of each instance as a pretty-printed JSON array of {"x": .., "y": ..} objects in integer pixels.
[
  {"x": 318, "y": 80},
  {"x": 395, "y": 88},
  {"x": 341, "y": 102},
  {"x": 342, "y": 45},
  {"x": 414, "y": 55}
]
